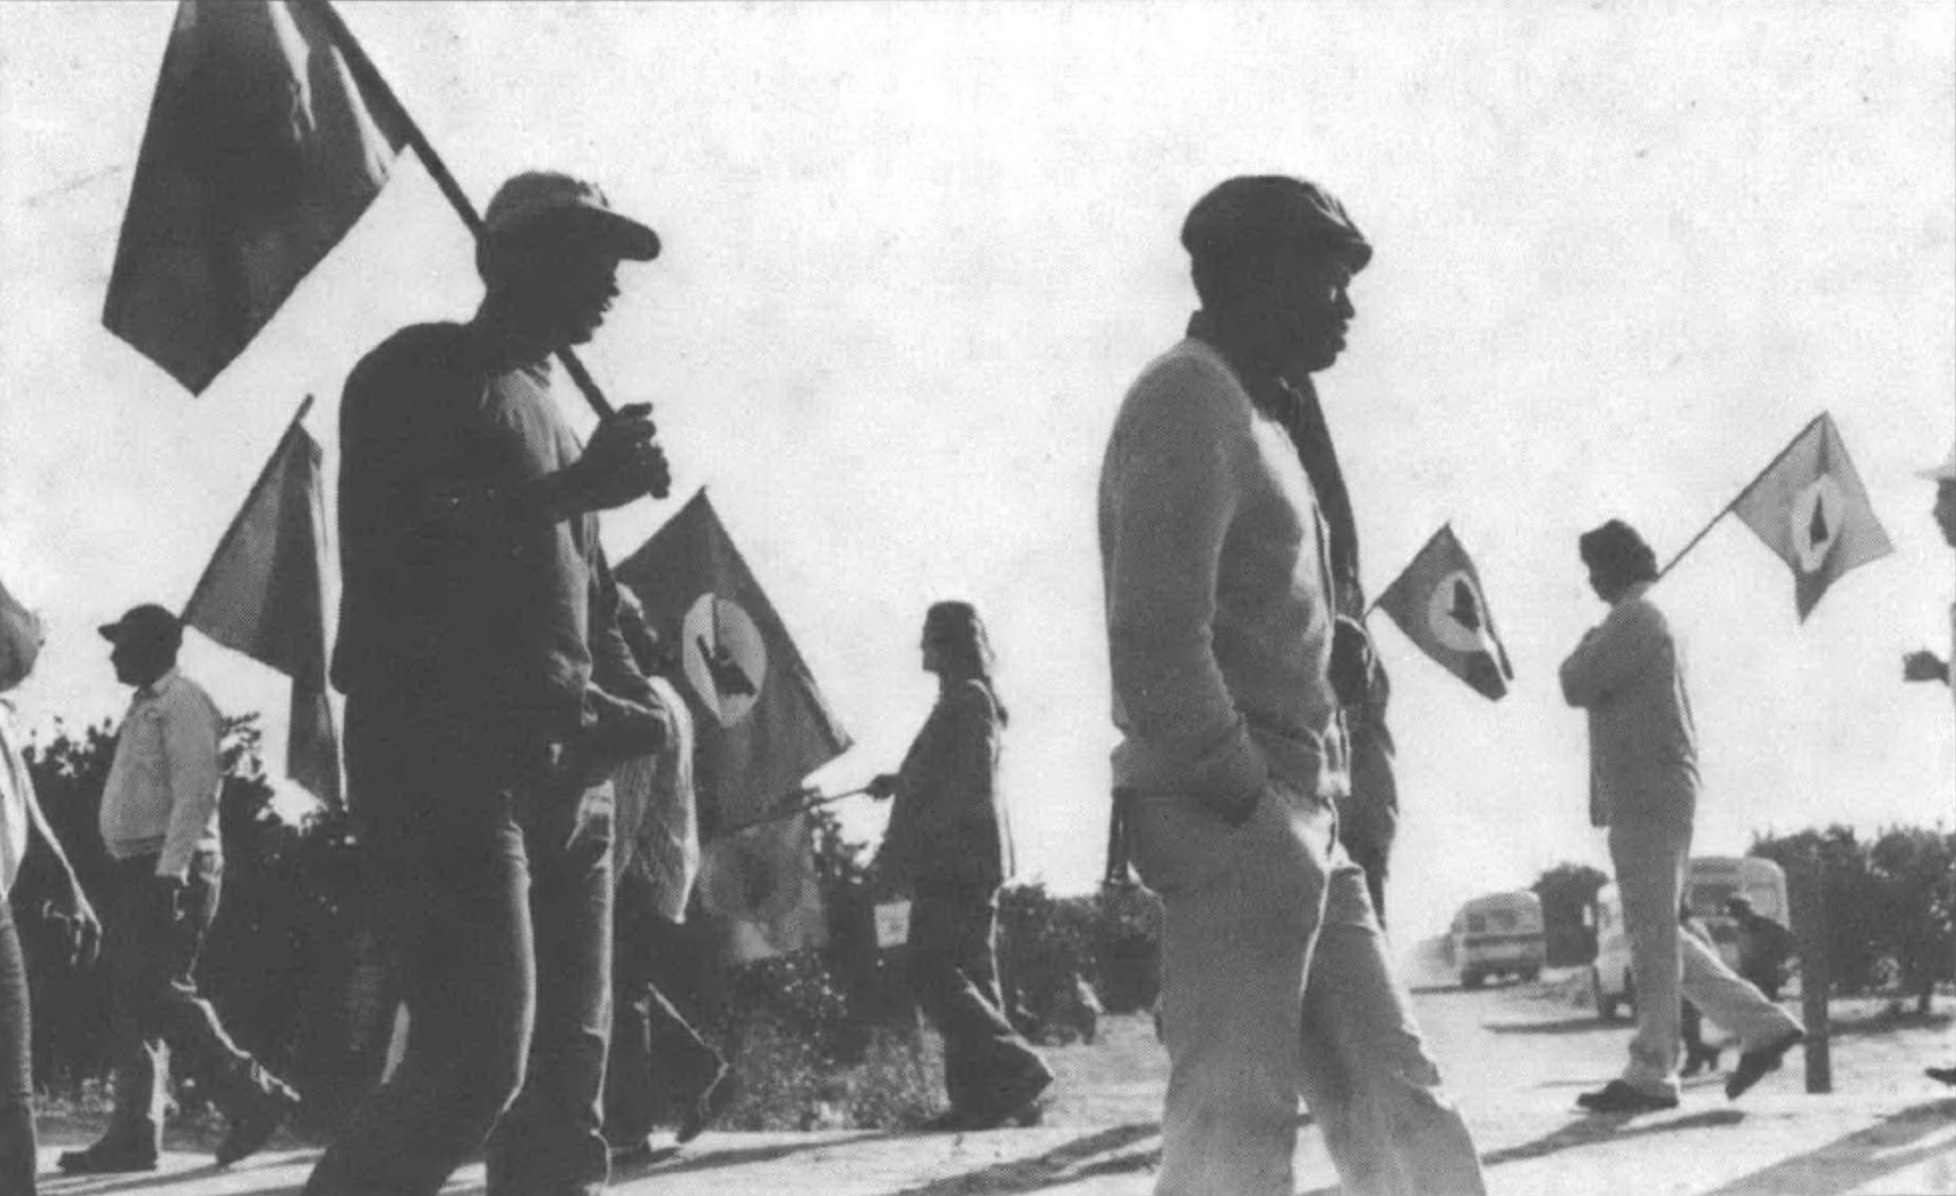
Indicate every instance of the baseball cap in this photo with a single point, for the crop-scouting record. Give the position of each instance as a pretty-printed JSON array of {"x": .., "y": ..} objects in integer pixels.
[
  {"x": 544, "y": 195},
  {"x": 1255, "y": 212},
  {"x": 146, "y": 623},
  {"x": 1946, "y": 472}
]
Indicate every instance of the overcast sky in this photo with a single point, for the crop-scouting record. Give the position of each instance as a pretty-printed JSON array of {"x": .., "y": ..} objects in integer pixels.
[{"x": 914, "y": 256}]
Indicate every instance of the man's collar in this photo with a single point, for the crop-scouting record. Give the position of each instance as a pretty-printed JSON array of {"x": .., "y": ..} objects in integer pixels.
[
  {"x": 157, "y": 686},
  {"x": 1637, "y": 590}
]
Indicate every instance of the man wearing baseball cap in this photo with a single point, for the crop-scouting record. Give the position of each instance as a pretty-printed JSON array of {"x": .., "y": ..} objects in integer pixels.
[
  {"x": 1925, "y": 665},
  {"x": 476, "y": 741},
  {"x": 159, "y": 823},
  {"x": 1221, "y": 608}
]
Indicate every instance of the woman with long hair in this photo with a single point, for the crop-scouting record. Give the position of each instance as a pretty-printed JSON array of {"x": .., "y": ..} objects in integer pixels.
[{"x": 949, "y": 845}]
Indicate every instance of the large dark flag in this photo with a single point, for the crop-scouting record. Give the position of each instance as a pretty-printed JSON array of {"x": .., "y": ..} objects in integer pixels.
[
  {"x": 1438, "y": 602},
  {"x": 764, "y": 724},
  {"x": 262, "y": 150},
  {"x": 1810, "y": 508},
  {"x": 264, "y": 594}
]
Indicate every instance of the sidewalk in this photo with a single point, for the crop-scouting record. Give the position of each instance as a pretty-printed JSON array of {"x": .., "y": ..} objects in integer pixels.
[{"x": 1902, "y": 1141}]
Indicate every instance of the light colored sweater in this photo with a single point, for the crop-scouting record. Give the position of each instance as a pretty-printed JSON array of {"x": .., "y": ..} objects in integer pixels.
[
  {"x": 1219, "y": 597},
  {"x": 1628, "y": 673},
  {"x": 161, "y": 795}
]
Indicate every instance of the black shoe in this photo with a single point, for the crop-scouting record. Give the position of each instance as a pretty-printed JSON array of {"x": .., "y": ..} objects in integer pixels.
[
  {"x": 105, "y": 1159},
  {"x": 254, "y": 1125},
  {"x": 707, "y": 1106},
  {"x": 1753, "y": 1065},
  {"x": 1013, "y": 1099},
  {"x": 1942, "y": 1075},
  {"x": 1619, "y": 1097}
]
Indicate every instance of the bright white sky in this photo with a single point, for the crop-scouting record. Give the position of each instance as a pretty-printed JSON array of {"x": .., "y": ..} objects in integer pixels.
[{"x": 915, "y": 254}]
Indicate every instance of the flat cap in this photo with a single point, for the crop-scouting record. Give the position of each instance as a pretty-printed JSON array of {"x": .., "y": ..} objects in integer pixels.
[
  {"x": 1261, "y": 212},
  {"x": 148, "y": 623}
]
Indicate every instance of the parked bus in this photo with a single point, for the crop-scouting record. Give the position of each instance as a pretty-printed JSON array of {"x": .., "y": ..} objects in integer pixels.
[
  {"x": 1499, "y": 935},
  {"x": 1709, "y": 882}
]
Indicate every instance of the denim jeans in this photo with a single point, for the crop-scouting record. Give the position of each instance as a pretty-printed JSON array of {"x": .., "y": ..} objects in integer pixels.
[
  {"x": 494, "y": 896},
  {"x": 152, "y": 940},
  {"x": 16, "y": 1064},
  {"x": 954, "y": 974}
]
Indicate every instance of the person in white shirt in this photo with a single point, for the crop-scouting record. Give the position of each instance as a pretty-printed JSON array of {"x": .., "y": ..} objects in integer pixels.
[
  {"x": 21, "y": 636},
  {"x": 1221, "y": 610},
  {"x": 159, "y": 823},
  {"x": 1925, "y": 665}
]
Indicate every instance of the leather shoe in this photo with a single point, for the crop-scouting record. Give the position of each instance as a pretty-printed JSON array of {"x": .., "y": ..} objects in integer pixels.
[
  {"x": 1753, "y": 1065},
  {"x": 1697, "y": 1061},
  {"x": 254, "y": 1126},
  {"x": 104, "y": 1159},
  {"x": 1942, "y": 1075},
  {"x": 1014, "y": 1099},
  {"x": 1619, "y": 1097},
  {"x": 707, "y": 1106}
]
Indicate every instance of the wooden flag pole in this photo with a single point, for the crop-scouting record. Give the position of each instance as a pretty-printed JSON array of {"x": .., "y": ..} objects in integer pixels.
[
  {"x": 788, "y": 812},
  {"x": 458, "y": 199},
  {"x": 1733, "y": 505}
]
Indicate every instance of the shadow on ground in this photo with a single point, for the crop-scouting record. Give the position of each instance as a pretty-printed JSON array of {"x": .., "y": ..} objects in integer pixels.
[{"x": 1893, "y": 1144}]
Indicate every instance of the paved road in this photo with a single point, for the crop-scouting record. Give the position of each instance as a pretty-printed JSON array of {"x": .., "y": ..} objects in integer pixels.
[{"x": 1514, "y": 1060}]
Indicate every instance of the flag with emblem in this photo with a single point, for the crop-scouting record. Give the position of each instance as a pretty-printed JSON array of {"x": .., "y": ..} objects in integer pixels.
[
  {"x": 264, "y": 594},
  {"x": 1810, "y": 508},
  {"x": 1438, "y": 602},
  {"x": 263, "y": 148},
  {"x": 763, "y": 724}
]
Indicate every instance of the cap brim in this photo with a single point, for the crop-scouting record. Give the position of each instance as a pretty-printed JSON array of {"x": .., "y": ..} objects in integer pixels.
[
  {"x": 632, "y": 241},
  {"x": 110, "y": 631}
]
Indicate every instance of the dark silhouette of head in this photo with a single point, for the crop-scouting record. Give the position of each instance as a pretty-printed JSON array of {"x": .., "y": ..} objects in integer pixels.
[
  {"x": 961, "y": 648},
  {"x": 1617, "y": 558}
]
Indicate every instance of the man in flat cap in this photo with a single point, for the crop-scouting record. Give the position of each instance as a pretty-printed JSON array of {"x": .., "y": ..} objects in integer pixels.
[
  {"x": 159, "y": 822},
  {"x": 1221, "y": 608},
  {"x": 477, "y": 742}
]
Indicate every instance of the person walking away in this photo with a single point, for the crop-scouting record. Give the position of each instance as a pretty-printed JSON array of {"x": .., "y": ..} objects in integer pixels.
[
  {"x": 949, "y": 844},
  {"x": 21, "y": 637},
  {"x": 1220, "y": 614},
  {"x": 1628, "y": 674},
  {"x": 1764, "y": 946},
  {"x": 478, "y": 745},
  {"x": 159, "y": 821}
]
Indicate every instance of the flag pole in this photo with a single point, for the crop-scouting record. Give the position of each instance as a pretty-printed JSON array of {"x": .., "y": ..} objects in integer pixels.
[
  {"x": 1733, "y": 505},
  {"x": 458, "y": 199},
  {"x": 789, "y": 812},
  {"x": 231, "y": 532}
]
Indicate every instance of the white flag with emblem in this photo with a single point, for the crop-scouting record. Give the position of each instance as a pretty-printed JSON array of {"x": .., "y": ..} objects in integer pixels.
[
  {"x": 1438, "y": 602},
  {"x": 1810, "y": 508}
]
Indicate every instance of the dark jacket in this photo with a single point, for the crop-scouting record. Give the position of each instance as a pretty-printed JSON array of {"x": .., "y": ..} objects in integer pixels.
[{"x": 948, "y": 824}]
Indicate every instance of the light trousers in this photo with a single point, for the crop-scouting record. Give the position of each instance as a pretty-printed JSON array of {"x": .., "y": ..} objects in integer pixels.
[
  {"x": 1275, "y": 985},
  {"x": 1650, "y": 857}
]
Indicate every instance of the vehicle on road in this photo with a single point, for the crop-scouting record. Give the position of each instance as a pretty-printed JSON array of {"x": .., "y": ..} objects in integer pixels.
[
  {"x": 1709, "y": 882},
  {"x": 1499, "y": 934}
]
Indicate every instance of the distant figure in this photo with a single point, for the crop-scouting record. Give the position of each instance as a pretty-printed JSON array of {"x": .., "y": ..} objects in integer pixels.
[
  {"x": 1925, "y": 665},
  {"x": 1628, "y": 674},
  {"x": 479, "y": 747},
  {"x": 1697, "y": 1056},
  {"x": 949, "y": 844},
  {"x": 159, "y": 823},
  {"x": 657, "y": 858},
  {"x": 1223, "y": 624},
  {"x": 1764, "y": 946},
  {"x": 21, "y": 636}
]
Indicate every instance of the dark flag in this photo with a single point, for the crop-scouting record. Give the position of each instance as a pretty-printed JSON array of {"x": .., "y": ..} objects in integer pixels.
[
  {"x": 1810, "y": 508},
  {"x": 765, "y": 725},
  {"x": 262, "y": 151},
  {"x": 1438, "y": 602},
  {"x": 264, "y": 594}
]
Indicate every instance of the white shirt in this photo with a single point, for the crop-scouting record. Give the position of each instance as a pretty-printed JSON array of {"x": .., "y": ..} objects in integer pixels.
[
  {"x": 15, "y": 787},
  {"x": 161, "y": 795}
]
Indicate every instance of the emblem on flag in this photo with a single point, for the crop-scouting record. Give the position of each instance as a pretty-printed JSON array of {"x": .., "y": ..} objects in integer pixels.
[
  {"x": 1438, "y": 602},
  {"x": 725, "y": 657},
  {"x": 1810, "y": 508}
]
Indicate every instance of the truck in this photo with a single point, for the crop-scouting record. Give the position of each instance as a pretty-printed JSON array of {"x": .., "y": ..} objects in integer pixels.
[{"x": 1499, "y": 934}]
